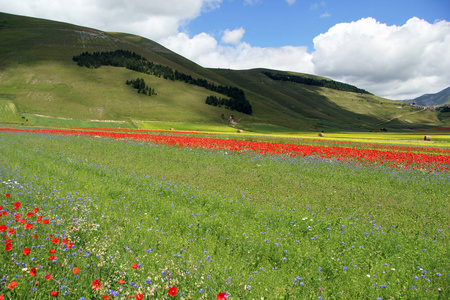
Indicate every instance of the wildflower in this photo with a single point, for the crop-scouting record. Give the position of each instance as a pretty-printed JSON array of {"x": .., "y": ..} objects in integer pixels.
[
  {"x": 33, "y": 272},
  {"x": 55, "y": 241},
  {"x": 96, "y": 284},
  {"x": 35, "y": 210},
  {"x": 45, "y": 221},
  {"x": 54, "y": 293},
  {"x": 105, "y": 297},
  {"x": 7, "y": 195},
  {"x": 75, "y": 270},
  {"x": 173, "y": 291},
  {"x": 121, "y": 281},
  {"x": 139, "y": 297},
  {"x": 39, "y": 218},
  {"x": 8, "y": 246},
  {"x": 48, "y": 276},
  {"x": 12, "y": 285},
  {"x": 221, "y": 296},
  {"x": 28, "y": 226},
  {"x": 51, "y": 251},
  {"x": 135, "y": 266},
  {"x": 16, "y": 205},
  {"x": 3, "y": 228}
]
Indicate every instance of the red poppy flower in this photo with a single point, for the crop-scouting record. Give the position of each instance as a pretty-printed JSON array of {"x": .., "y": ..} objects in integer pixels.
[
  {"x": 28, "y": 226},
  {"x": 17, "y": 217},
  {"x": 3, "y": 228},
  {"x": 173, "y": 291},
  {"x": 45, "y": 221},
  {"x": 5, "y": 213},
  {"x": 48, "y": 276},
  {"x": 139, "y": 297},
  {"x": 55, "y": 241},
  {"x": 70, "y": 245},
  {"x": 96, "y": 284},
  {"x": 51, "y": 257},
  {"x": 16, "y": 205},
  {"x": 8, "y": 247},
  {"x": 33, "y": 272},
  {"x": 221, "y": 296},
  {"x": 105, "y": 297},
  {"x": 12, "y": 285},
  {"x": 121, "y": 281},
  {"x": 1, "y": 207},
  {"x": 35, "y": 210},
  {"x": 54, "y": 293},
  {"x": 75, "y": 270},
  {"x": 26, "y": 251},
  {"x": 7, "y": 195},
  {"x": 39, "y": 218},
  {"x": 35, "y": 236},
  {"x": 135, "y": 266},
  {"x": 22, "y": 221},
  {"x": 64, "y": 241},
  {"x": 11, "y": 231},
  {"x": 51, "y": 251},
  {"x": 30, "y": 214}
]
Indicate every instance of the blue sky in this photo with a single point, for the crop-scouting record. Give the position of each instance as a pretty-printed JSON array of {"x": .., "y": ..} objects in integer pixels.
[{"x": 396, "y": 49}]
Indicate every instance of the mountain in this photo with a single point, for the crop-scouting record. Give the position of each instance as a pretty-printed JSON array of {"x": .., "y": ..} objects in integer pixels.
[
  {"x": 40, "y": 83},
  {"x": 438, "y": 99}
]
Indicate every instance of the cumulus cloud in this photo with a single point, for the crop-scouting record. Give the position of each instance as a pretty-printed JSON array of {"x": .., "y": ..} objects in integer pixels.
[
  {"x": 233, "y": 36},
  {"x": 397, "y": 62},
  {"x": 205, "y": 50}
]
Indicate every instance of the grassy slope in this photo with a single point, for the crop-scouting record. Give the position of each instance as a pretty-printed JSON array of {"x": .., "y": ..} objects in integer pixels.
[{"x": 39, "y": 77}]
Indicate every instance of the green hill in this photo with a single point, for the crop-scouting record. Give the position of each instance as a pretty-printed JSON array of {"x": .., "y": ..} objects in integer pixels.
[{"x": 41, "y": 84}]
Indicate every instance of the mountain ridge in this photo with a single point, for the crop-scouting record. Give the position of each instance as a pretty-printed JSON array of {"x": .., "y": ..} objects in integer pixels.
[{"x": 436, "y": 99}]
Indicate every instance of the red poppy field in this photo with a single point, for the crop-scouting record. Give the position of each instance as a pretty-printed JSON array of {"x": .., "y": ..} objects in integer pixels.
[{"x": 90, "y": 214}]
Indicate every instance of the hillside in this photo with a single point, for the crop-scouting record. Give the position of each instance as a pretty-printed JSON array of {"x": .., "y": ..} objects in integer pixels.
[
  {"x": 438, "y": 99},
  {"x": 41, "y": 84}
]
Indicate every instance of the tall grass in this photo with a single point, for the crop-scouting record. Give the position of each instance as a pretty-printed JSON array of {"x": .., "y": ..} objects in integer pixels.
[{"x": 208, "y": 222}]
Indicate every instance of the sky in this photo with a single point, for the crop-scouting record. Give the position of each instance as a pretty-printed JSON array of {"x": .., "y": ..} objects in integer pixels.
[{"x": 397, "y": 49}]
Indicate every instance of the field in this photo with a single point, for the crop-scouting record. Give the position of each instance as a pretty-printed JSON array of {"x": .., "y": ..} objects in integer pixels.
[{"x": 126, "y": 213}]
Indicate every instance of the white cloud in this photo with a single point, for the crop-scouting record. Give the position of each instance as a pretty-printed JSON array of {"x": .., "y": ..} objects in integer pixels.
[
  {"x": 233, "y": 36},
  {"x": 396, "y": 62},
  {"x": 205, "y": 50},
  {"x": 291, "y": 2}
]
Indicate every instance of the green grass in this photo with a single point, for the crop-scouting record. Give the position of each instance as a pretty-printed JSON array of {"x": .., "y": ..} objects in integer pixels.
[
  {"x": 47, "y": 121},
  {"x": 180, "y": 126},
  {"x": 8, "y": 112},
  {"x": 218, "y": 221}
]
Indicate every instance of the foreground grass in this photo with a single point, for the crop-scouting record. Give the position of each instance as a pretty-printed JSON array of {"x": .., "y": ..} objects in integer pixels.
[{"x": 213, "y": 221}]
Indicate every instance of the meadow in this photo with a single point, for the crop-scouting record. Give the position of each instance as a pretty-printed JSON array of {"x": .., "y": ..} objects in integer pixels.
[{"x": 104, "y": 214}]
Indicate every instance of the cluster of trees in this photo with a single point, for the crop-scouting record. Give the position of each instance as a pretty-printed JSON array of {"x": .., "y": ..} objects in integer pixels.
[
  {"x": 331, "y": 84},
  {"x": 232, "y": 104},
  {"x": 140, "y": 85},
  {"x": 133, "y": 61}
]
